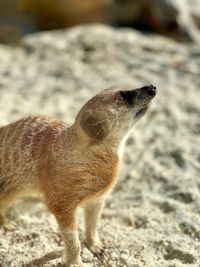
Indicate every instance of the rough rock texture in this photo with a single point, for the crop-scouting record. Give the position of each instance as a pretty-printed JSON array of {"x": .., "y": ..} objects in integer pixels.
[{"x": 152, "y": 218}]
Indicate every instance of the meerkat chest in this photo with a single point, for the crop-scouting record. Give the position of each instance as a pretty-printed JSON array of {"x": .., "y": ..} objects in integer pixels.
[
  {"x": 99, "y": 178},
  {"x": 105, "y": 174}
]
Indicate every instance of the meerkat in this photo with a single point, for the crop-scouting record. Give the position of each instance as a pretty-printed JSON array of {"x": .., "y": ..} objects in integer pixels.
[{"x": 71, "y": 165}]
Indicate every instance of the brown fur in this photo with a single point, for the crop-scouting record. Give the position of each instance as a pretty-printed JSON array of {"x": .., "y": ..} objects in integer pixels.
[{"x": 69, "y": 166}]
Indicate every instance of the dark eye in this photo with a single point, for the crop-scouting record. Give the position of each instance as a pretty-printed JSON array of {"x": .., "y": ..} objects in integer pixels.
[{"x": 128, "y": 96}]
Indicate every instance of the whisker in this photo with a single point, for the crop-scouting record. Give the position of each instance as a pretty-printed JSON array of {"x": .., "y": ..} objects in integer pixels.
[
  {"x": 107, "y": 119},
  {"x": 99, "y": 131}
]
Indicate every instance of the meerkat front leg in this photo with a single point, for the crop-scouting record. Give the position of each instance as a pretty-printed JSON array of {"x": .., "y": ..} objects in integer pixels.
[
  {"x": 92, "y": 213},
  {"x": 68, "y": 228},
  {"x": 71, "y": 255}
]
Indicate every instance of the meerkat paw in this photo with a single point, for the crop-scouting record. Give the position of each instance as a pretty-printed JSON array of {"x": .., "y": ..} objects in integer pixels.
[
  {"x": 7, "y": 224},
  {"x": 68, "y": 264},
  {"x": 95, "y": 247}
]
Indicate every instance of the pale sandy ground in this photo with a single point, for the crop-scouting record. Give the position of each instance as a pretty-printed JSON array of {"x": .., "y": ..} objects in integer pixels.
[{"x": 152, "y": 218}]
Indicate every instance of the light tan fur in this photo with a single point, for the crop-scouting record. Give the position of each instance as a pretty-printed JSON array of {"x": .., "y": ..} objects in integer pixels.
[{"x": 70, "y": 165}]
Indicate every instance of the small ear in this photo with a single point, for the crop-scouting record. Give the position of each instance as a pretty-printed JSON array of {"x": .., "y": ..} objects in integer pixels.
[{"x": 94, "y": 127}]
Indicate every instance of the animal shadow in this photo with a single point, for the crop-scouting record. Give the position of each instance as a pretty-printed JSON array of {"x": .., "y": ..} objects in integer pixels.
[{"x": 44, "y": 259}]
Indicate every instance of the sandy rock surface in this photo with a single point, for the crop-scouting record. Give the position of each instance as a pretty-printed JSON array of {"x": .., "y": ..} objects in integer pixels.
[{"x": 152, "y": 218}]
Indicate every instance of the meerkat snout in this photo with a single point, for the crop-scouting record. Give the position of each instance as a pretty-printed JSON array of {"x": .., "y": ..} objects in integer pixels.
[
  {"x": 151, "y": 90},
  {"x": 131, "y": 96}
]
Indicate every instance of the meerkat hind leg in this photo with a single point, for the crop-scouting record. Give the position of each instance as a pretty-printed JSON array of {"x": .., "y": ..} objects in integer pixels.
[
  {"x": 5, "y": 222},
  {"x": 92, "y": 213}
]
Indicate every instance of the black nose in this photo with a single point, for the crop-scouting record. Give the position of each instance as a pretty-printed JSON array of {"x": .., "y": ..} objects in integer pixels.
[
  {"x": 151, "y": 90},
  {"x": 129, "y": 96}
]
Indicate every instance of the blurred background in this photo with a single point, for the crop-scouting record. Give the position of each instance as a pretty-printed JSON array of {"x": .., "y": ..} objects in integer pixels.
[
  {"x": 56, "y": 54},
  {"x": 176, "y": 18}
]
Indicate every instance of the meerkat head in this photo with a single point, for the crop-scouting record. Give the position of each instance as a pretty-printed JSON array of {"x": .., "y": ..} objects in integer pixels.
[{"x": 112, "y": 113}]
